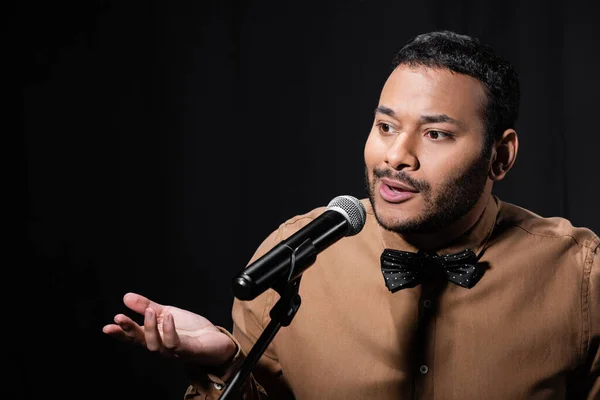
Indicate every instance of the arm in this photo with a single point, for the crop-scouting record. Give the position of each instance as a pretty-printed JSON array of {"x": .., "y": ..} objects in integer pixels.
[
  {"x": 266, "y": 380},
  {"x": 249, "y": 321},
  {"x": 209, "y": 383},
  {"x": 593, "y": 303}
]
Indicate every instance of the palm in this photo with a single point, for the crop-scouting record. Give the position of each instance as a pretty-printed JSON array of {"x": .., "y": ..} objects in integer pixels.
[{"x": 186, "y": 322}]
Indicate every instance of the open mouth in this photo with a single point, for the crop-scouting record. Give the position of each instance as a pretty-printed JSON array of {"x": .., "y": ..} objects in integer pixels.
[{"x": 394, "y": 191}]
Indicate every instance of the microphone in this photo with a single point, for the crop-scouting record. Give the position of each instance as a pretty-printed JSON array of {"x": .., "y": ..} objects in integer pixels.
[{"x": 344, "y": 216}]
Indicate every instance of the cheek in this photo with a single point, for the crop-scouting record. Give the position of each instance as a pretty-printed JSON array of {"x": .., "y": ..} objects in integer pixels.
[
  {"x": 462, "y": 172},
  {"x": 374, "y": 152},
  {"x": 439, "y": 171}
]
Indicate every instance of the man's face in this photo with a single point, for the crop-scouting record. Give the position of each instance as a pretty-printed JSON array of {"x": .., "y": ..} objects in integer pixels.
[{"x": 426, "y": 165}]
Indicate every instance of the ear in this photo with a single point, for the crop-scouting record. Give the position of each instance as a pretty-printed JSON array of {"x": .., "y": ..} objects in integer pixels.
[{"x": 504, "y": 155}]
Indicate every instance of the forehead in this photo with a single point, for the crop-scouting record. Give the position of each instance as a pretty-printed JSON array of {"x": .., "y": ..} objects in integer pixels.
[{"x": 423, "y": 90}]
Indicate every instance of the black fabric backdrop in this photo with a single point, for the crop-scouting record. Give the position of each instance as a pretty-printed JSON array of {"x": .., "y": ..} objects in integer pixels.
[{"x": 165, "y": 140}]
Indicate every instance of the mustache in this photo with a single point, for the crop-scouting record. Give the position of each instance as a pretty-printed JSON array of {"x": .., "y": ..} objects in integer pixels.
[{"x": 403, "y": 177}]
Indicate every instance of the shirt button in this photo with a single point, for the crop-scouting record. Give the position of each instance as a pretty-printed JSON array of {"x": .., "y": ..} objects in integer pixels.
[
  {"x": 427, "y": 303},
  {"x": 424, "y": 369}
]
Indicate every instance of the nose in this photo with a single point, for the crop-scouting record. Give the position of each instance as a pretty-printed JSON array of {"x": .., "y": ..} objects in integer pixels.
[{"x": 402, "y": 153}]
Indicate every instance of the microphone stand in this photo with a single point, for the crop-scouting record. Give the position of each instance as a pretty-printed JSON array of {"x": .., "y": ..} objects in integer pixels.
[{"x": 281, "y": 314}]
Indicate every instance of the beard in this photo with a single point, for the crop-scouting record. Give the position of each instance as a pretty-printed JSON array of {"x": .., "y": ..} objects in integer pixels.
[{"x": 454, "y": 198}]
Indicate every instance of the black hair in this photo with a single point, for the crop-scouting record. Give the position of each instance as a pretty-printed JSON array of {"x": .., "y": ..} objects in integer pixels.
[{"x": 468, "y": 55}]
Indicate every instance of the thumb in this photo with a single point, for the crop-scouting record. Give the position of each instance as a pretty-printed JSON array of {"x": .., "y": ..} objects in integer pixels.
[{"x": 139, "y": 303}]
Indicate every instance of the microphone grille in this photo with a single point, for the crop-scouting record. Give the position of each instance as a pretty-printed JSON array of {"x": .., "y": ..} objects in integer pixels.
[{"x": 352, "y": 209}]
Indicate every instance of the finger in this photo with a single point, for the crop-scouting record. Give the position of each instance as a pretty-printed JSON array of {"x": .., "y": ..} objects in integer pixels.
[
  {"x": 130, "y": 328},
  {"x": 153, "y": 339},
  {"x": 113, "y": 330},
  {"x": 139, "y": 303},
  {"x": 170, "y": 337},
  {"x": 117, "y": 332}
]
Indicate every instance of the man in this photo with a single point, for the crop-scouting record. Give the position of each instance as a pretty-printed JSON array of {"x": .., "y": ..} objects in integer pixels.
[{"x": 500, "y": 303}]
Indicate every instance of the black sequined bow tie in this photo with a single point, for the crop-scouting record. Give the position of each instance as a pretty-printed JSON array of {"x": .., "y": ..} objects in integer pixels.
[{"x": 403, "y": 269}]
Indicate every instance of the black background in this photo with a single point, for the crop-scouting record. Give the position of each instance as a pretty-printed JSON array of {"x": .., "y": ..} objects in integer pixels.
[{"x": 164, "y": 140}]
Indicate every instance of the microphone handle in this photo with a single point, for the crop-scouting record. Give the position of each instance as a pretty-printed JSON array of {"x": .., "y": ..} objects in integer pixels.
[{"x": 275, "y": 265}]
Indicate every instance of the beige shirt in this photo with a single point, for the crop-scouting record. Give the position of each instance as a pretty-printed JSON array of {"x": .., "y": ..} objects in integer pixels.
[{"x": 529, "y": 329}]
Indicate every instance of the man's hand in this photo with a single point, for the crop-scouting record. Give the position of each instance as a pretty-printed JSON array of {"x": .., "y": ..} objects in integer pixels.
[{"x": 173, "y": 332}]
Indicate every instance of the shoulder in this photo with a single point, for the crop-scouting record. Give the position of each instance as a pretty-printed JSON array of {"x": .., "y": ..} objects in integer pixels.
[
  {"x": 299, "y": 221},
  {"x": 546, "y": 229}
]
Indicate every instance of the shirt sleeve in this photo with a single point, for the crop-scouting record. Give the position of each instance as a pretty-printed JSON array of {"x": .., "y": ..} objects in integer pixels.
[
  {"x": 249, "y": 321},
  {"x": 591, "y": 300},
  {"x": 210, "y": 383}
]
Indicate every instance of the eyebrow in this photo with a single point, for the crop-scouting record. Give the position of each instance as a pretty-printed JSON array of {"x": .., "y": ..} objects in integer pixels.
[
  {"x": 385, "y": 110},
  {"x": 425, "y": 119}
]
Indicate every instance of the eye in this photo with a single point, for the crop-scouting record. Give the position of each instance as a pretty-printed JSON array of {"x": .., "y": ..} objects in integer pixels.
[
  {"x": 437, "y": 135},
  {"x": 385, "y": 128}
]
